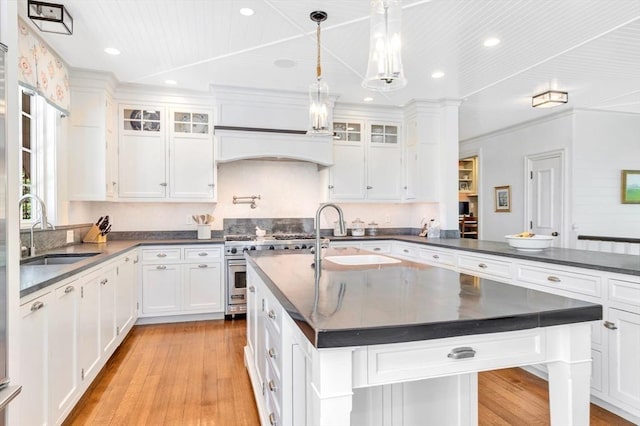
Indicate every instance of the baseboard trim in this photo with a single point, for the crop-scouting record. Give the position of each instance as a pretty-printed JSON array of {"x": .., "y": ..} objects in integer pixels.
[{"x": 179, "y": 318}]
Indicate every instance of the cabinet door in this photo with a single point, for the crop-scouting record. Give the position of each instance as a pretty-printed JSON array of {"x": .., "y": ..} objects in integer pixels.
[
  {"x": 203, "y": 287},
  {"x": 89, "y": 327},
  {"x": 112, "y": 149},
  {"x": 63, "y": 360},
  {"x": 108, "y": 311},
  {"x": 141, "y": 153},
  {"x": 347, "y": 175},
  {"x": 191, "y": 165},
  {"x": 252, "y": 312},
  {"x": 624, "y": 346},
  {"x": 33, "y": 339},
  {"x": 384, "y": 163},
  {"x": 126, "y": 284},
  {"x": 161, "y": 289}
]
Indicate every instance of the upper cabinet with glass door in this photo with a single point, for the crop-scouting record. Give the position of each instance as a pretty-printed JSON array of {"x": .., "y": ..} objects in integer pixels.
[
  {"x": 142, "y": 120},
  {"x": 194, "y": 123},
  {"x": 384, "y": 134}
]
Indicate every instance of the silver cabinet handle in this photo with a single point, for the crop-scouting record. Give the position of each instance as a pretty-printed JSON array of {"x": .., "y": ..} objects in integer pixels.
[
  {"x": 331, "y": 186},
  {"x": 163, "y": 184},
  {"x": 252, "y": 289},
  {"x": 136, "y": 260},
  {"x": 272, "y": 386},
  {"x": 202, "y": 265},
  {"x": 37, "y": 306},
  {"x": 204, "y": 253},
  {"x": 211, "y": 185},
  {"x": 406, "y": 250},
  {"x": 610, "y": 325},
  {"x": 69, "y": 289},
  {"x": 103, "y": 282},
  {"x": 161, "y": 267},
  {"x": 237, "y": 296},
  {"x": 553, "y": 279},
  {"x": 272, "y": 314},
  {"x": 126, "y": 259},
  {"x": 272, "y": 353},
  {"x": 369, "y": 187},
  {"x": 377, "y": 249},
  {"x": 161, "y": 255},
  {"x": 272, "y": 419},
  {"x": 482, "y": 265},
  {"x": 435, "y": 256},
  {"x": 462, "y": 352}
]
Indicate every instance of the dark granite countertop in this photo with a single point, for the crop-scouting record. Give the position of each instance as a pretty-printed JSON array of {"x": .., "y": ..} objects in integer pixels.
[
  {"x": 609, "y": 262},
  {"x": 379, "y": 304},
  {"x": 34, "y": 277}
]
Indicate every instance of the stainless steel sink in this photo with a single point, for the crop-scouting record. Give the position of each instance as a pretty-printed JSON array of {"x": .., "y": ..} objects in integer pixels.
[{"x": 57, "y": 259}]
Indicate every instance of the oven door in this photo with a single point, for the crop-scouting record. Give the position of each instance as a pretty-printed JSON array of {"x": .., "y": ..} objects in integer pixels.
[{"x": 236, "y": 286}]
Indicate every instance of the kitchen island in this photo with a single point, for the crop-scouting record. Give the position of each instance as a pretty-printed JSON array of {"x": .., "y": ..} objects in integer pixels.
[{"x": 402, "y": 342}]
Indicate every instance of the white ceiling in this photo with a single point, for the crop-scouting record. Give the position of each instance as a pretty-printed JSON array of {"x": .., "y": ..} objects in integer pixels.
[{"x": 590, "y": 48}]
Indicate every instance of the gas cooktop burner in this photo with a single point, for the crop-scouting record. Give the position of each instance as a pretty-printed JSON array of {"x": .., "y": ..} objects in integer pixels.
[{"x": 278, "y": 237}]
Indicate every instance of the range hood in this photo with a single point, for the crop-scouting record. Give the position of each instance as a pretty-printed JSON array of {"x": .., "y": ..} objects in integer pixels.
[{"x": 262, "y": 124}]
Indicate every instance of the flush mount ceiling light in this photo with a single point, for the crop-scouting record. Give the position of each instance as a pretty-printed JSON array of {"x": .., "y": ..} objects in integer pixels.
[
  {"x": 171, "y": 82},
  {"x": 50, "y": 17},
  {"x": 318, "y": 90},
  {"x": 246, "y": 11},
  {"x": 437, "y": 74},
  {"x": 384, "y": 71},
  {"x": 111, "y": 51},
  {"x": 491, "y": 42},
  {"x": 549, "y": 99}
]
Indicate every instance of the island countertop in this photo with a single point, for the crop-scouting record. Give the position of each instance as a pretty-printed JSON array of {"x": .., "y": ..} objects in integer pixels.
[{"x": 380, "y": 304}]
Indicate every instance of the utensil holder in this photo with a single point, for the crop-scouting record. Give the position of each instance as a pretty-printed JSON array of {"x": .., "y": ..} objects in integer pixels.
[
  {"x": 94, "y": 236},
  {"x": 204, "y": 232}
]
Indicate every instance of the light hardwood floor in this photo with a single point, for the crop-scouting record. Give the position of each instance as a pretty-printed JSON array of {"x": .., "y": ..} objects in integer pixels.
[{"x": 193, "y": 374}]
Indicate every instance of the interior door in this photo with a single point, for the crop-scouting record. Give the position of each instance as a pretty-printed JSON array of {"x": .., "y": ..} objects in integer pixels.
[{"x": 546, "y": 195}]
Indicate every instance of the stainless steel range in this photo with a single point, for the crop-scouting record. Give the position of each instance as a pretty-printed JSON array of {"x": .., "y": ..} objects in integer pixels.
[{"x": 282, "y": 234}]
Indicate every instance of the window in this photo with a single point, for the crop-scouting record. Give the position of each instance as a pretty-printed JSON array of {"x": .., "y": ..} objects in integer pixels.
[{"x": 39, "y": 125}]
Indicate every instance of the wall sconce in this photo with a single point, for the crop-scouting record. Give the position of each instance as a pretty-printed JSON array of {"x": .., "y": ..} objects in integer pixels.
[
  {"x": 50, "y": 17},
  {"x": 549, "y": 99}
]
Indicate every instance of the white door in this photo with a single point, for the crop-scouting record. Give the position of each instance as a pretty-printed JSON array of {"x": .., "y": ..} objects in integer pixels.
[{"x": 545, "y": 203}]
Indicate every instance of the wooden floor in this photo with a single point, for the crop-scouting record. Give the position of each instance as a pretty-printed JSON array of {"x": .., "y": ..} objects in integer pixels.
[{"x": 193, "y": 374}]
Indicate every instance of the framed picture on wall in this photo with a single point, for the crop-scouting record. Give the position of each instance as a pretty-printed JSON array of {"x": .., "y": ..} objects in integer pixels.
[
  {"x": 502, "y": 198},
  {"x": 631, "y": 186}
]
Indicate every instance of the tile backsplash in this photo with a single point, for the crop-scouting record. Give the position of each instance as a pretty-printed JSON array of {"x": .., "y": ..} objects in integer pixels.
[{"x": 51, "y": 239}]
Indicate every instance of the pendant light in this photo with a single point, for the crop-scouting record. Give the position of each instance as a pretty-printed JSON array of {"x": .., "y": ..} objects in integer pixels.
[
  {"x": 384, "y": 71},
  {"x": 319, "y": 91}
]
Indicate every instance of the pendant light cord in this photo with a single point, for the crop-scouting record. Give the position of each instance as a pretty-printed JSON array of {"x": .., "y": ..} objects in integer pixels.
[{"x": 318, "y": 67}]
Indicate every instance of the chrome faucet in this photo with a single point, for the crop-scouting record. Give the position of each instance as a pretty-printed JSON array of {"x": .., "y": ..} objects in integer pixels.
[
  {"x": 318, "y": 248},
  {"x": 43, "y": 221}
]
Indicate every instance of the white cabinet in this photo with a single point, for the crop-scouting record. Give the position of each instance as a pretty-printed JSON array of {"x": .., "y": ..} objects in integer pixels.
[
  {"x": 367, "y": 161},
  {"x": 89, "y": 350},
  {"x": 91, "y": 170},
  {"x": 179, "y": 280},
  {"x": 108, "y": 310},
  {"x": 165, "y": 153},
  {"x": 126, "y": 286},
  {"x": 63, "y": 356},
  {"x": 34, "y": 356},
  {"x": 624, "y": 347}
]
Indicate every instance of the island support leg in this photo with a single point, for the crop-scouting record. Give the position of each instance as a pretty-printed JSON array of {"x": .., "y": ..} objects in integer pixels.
[
  {"x": 331, "y": 393},
  {"x": 570, "y": 374}
]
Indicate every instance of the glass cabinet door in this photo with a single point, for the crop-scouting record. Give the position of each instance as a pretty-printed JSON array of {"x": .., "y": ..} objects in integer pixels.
[
  {"x": 187, "y": 122},
  {"x": 141, "y": 120}
]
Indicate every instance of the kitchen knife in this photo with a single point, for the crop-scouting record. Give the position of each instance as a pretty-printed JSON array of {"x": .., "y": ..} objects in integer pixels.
[
  {"x": 99, "y": 220},
  {"x": 106, "y": 231}
]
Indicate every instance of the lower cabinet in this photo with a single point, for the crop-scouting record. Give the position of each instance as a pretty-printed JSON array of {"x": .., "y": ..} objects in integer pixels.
[
  {"x": 624, "y": 347},
  {"x": 161, "y": 289},
  {"x": 88, "y": 319},
  {"x": 202, "y": 285}
]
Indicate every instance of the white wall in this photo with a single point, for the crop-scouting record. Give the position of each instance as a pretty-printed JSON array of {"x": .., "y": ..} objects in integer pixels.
[{"x": 286, "y": 188}]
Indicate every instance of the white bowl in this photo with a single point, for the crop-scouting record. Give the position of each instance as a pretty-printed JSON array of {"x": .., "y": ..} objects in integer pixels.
[{"x": 535, "y": 243}]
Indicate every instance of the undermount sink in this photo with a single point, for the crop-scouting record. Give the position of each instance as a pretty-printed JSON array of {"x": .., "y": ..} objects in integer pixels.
[
  {"x": 362, "y": 259},
  {"x": 57, "y": 259}
]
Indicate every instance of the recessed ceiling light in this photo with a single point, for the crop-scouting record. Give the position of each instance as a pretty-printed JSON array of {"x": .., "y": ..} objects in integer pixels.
[
  {"x": 437, "y": 74},
  {"x": 170, "y": 82},
  {"x": 491, "y": 41},
  {"x": 368, "y": 99},
  {"x": 112, "y": 51},
  {"x": 246, "y": 11},
  {"x": 284, "y": 63}
]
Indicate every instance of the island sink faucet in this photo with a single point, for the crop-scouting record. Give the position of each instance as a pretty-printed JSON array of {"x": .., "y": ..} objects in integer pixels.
[
  {"x": 43, "y": 221},
  {"x": 318, "y": 247}
]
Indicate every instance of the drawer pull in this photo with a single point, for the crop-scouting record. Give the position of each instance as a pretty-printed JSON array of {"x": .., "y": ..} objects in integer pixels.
[
  {"x": 252, "y": 289},
  {"x": 137, "y": 260},
  {"x": 203, "y": 254},
  {"x": 272, "y": 419},
  {"x": 462, "y": 352},
  {"x": 482, "y": 265},
  {"x": 126, "y": 259},
  {"x": 161, "y": 267},
  {"x": 610, "y": 325},
  {"x": 37, "y": 306},
  {"x": 69, "y": 289},
  {"x": 553, "y": 279},
  {"x": 237, "y": 296},
  {"x": 376, "y": 249},
  {"x": 272, "y": 353},
  {"x": 202, "y": 265},
  {"x": 272, "y": 386},
  {"x": 103, "y": 282},
  {"x": 272, "y": 314},
  {"x": 435, "y": 256},
  {"x": 406, "y": 250},
  {"x": 161, "y": 255}
]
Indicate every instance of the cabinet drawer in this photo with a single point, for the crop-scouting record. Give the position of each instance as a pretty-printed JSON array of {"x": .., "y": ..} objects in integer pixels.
[
  {"x": 272, "y": 385},
  {"x": 624, "y": 291},
  {"x": 273, "y": 346},
  {"x": 493, "y": 267},
  {"x": 160, "y": 255},
  {"x": 203, "y": 254},
  {"x": 405, "y": 250},
  {"x": 272, "y": 313},
  {"x": 437, "y": 257},
  {"x": 378, "y": 247},
  {"x": 389, "y": 363},
  {"x": 562, "y": 280}
]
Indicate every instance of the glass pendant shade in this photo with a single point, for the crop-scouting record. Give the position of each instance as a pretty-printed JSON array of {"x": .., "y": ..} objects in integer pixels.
[
  {"x": 384, "y": 71},
  {"x": 319, "y": 109}
]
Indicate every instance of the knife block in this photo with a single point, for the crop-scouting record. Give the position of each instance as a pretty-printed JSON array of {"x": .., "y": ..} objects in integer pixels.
[{"x": 94, "y": 236}]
